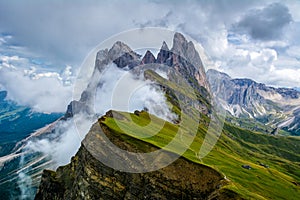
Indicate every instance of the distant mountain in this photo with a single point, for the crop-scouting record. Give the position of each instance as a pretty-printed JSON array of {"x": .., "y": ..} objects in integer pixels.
[{"x": 278, "y": 108}]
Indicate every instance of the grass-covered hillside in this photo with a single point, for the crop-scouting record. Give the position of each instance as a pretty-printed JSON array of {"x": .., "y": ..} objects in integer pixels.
[{"x": 274, "y": 160}]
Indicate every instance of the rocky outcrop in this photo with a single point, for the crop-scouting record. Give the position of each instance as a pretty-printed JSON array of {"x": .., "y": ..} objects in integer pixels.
[
  {"x": 76, "y": 107},
  {"x": 121, "y": 54},
  {"x": 187, "y": 59},
  {"x": 87, "y": 178},
  {"x": 148, "y": 58},
  {"x": 163, "y": 54}
]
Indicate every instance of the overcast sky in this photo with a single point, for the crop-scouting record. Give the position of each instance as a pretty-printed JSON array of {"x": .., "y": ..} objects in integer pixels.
[{"x": 49, "y": 39}]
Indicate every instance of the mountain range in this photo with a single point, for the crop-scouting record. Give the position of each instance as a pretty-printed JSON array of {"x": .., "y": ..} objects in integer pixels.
[{"x": 272, "y": 110}]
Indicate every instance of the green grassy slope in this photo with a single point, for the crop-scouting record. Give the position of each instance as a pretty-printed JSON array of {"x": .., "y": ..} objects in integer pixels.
[{"x": 234, "y": 148}]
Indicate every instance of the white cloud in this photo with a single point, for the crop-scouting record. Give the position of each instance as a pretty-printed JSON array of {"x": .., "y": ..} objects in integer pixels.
[
  {"x": 65, "y": 139},
  {"x": 287, "y": 77},
  {"x": 42, "y": 91},
  {"x": 10, "y": 61},
  {"x": 294, "y": 8},
  {"x": 265, "y": 66},
  {"x": 124, "y": 91}
]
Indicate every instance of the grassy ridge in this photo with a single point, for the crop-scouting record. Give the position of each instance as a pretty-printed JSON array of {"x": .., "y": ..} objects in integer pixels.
[{"x": 234, "y": 148}]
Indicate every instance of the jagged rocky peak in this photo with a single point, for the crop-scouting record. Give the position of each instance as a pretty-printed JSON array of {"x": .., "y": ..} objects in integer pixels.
[
  {"x": 102, "y": 58},
  {"x": 119, "y": 48},
  {"x": 163, "y": 54},
  {"x": 187, "y": 50},
  {"x": 148, "y": 58},
  {"x": 164, "y": 46},
  {"x": 187, "y": 59},
  {"x": 183, "y": 58},
  {"x": 180, "y": 44},
  {"x": 122, "y": 55}
]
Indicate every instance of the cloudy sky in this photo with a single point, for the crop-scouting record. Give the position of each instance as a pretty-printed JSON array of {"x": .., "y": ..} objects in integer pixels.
[{"x": 43, "y": 43}]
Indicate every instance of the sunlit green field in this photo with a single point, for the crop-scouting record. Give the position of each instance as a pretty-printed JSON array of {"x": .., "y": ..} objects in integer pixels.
[{"x": 235, "y": 147}]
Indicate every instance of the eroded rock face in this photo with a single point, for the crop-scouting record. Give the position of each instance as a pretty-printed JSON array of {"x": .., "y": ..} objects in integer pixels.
[
  {"x": 163, "y": 54},
  {"x": 122, "y": 55},
  {"x": 187, "y": 59},
  {"x": 87, "y": 178}
]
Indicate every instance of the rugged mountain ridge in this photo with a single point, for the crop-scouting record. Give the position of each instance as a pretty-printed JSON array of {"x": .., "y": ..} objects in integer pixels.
[
  {"x": 278, "y": 108},
  {"x": 182, "y": 57}
]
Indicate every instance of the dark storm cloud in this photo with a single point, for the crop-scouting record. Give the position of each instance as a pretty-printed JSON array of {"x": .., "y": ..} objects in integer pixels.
[{"x": 265, "y": 24}]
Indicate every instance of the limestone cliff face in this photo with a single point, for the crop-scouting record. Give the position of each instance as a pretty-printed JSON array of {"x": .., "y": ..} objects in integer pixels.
[{"x": 87, "y": 178}]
